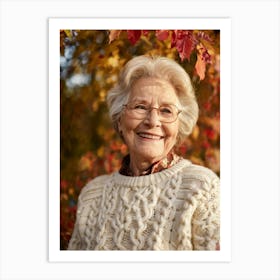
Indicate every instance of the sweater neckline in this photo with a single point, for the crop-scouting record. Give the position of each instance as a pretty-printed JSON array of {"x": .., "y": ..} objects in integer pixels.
[{"x": 147, "y": 180}]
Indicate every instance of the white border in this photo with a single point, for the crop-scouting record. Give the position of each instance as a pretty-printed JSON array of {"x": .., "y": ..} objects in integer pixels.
[{"x": 55, "y": 254}]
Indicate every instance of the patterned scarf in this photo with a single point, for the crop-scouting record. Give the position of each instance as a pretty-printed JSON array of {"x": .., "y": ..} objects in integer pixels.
[{"x": 158, "y": 166}]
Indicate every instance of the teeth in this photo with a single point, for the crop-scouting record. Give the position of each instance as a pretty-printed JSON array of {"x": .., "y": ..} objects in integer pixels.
[{"x": 149, "y": 136}]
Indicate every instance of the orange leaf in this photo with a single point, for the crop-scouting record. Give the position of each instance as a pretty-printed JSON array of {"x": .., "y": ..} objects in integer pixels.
[
  {"x": 200, "y": 67},
  {"x": 114, "y": 34}
]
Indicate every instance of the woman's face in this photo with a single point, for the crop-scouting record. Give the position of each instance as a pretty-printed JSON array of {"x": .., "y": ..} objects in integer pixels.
[{"x": 149, "y": 139}]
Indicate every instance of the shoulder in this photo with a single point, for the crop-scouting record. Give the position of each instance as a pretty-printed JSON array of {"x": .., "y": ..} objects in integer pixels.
[
  {"x": 93, "y": 189},
  {"x": 199, "y": 175},
  {"x": 199, "y": 172}
]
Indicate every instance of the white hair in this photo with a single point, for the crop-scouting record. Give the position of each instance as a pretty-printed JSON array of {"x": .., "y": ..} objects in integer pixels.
[{"x": 161, "y": 68}]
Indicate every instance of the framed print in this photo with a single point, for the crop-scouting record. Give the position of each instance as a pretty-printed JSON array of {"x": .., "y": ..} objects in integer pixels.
[
  {"x": 59, "y": 62},
  {"x": 84, "y": 147}
]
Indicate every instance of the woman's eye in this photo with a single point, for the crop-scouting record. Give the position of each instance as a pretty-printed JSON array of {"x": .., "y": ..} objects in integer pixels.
[
  {"x": 140, "y": 107},
  {"x": 166, "y": 110}
]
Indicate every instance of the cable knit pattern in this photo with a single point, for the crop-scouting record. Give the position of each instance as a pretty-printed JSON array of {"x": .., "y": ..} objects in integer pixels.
[{"x": 175, "y": 209}]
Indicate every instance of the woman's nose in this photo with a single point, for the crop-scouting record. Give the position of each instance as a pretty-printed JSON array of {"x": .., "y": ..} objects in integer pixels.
[{"x": 152, "y": 119}]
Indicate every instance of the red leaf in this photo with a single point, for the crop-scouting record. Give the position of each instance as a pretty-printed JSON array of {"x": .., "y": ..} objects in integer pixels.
[
  {"x": 200, "y": 67},
  {"x": 207, "y": 105},
  {"x": 63, "y": 184},
  {"x": 162, "y": 34},
  {"x": 133, "y": 36},
  {"x": 182, "y": 40},
  {"x": 145, "y": 32},
  {"x": 210, "y": 133},
  {"x": 202, "y": 35},
  {"x": 114, "y": 34},
  {"x": 173, "y": 39},
  {"x": 205, "y": 144}
]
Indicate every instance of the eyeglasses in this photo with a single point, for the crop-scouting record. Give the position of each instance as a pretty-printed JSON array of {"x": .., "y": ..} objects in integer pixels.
[{"x": 167, "y": 113}]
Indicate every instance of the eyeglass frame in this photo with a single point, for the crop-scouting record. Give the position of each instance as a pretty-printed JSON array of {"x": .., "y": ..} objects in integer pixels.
[{"x": 157, "y": 108}]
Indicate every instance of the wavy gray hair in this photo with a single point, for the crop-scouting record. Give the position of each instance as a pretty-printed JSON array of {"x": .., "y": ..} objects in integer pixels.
[{"x": 162, "y": 68}]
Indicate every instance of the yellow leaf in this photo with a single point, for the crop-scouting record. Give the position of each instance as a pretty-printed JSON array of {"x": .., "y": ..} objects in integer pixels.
[
  {"x": 100, "y": 151},
  {"x": 68, "y": 33},
  {"x": 195, "y": 132},
  {"x": 113, "y": 61}
]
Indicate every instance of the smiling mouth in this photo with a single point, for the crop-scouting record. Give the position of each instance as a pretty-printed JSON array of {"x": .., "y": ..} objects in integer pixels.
[{"x": 150, "y": 136}]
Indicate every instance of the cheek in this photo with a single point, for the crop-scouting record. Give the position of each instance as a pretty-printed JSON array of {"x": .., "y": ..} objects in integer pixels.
[
  {"x": 173, "y": 132},
  {"x": 126, "y": 127},
  {"x": 171, "y": 139}
]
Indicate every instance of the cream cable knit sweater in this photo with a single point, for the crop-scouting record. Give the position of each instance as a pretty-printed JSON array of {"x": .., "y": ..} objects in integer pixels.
[{"x": 175, "y": 209}]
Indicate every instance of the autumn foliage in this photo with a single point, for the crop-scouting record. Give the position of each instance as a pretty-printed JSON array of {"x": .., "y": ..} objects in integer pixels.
[{"x": 89, "y": 65}]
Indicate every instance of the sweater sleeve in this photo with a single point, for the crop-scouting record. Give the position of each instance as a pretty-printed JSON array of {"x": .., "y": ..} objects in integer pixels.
[
  {"x": 206, "y": 217},
  {"x": 89, "y": 195},
  {"x": 75, "y": 240}
]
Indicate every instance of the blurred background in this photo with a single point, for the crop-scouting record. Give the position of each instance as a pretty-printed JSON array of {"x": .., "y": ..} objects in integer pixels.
[{"x": 90, "y": 61}]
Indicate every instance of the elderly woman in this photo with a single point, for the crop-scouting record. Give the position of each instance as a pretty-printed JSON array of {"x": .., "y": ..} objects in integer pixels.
[{"x": 157, "y": 200}]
